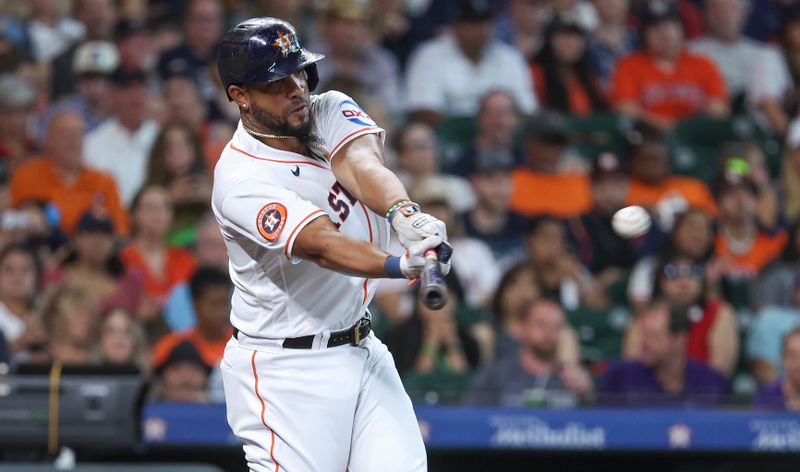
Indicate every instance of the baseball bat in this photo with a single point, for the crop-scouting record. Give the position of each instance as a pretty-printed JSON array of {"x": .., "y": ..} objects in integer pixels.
[{"x": 433, "y": 288}]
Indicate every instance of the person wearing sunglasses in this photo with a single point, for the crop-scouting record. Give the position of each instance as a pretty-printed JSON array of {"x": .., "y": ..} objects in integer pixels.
[{"x": 713, "y": 338}]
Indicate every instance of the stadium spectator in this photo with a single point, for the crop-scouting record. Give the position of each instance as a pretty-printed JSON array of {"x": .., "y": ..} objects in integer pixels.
[
  {"x": 50, "y": 33},
  {"x": 665, "y": 375},
  {"x": 790, "y": 174},
  {"x": 534, "y": 376},
  {"x": 210, "y": 251},
  {"x": 61, "y": 179},
  {"x": 664, "y": 82},
  {"x": 692, "y": 237},
  {"x": 449, "y": 74},
  {"x": 497, "y": 124},
  {"x": 766, "y": 334},
  {"x": 351, "y": 53},
  {"x": 774, "y": 96},
  {"x": 742, "y": 244},
  {"x": 748, "y": 157},
  {"x": 97, "y": 18},
  {"x": 19, "y": 283},
  {"x": 518, "y": 288},
  {"x": 95, "y": 265},
  {"x": 732, "y": 53},
  {"x": 561, "y": 276},
  {"x": 181, "y": 375},
  {"x": 433, "y": 349},
  {"x": 163, "y": 266},
  {"x": 599, "y": 248},
  {"x": 195, "y": 57},
  {"x": 136, "y": 45},
  {"x": 544, "y": 184},
  {"x": 612, "y": 39},
  {"x": 561, "y": 71},
  {"x": 177, "y": 163},
  {"x": 652, "y": 184},
  {"x": 713, "y": 335},
  {"x": 521, "y": 26},
  {"x": 93, "y": 64},
  {"x": 775, "y": 285},
  {"x": 183, "y": 105},
  {"x": 211, "y": 294},
  {"x": 490, "y": 219},
  {"x": 71, "y": 316},
  {"x": 401, "y": 27},
  {"x": 122, "y": 342},
  {"x": 417, "y": 153},
  {"x": 17, "y": 102},
  {"x": 477, "y": 271},
  {"x": 784, "y": 393},
  {"x": 121, "y": 144}
]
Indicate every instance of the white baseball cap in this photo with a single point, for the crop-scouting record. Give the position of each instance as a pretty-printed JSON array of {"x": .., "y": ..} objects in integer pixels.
[{"x": 99, "y": 57}]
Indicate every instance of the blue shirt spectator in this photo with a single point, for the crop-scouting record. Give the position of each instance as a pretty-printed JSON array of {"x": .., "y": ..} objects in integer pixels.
[
  {"x": 784, "y": 393},
  {"x": 765, "y": 337}
]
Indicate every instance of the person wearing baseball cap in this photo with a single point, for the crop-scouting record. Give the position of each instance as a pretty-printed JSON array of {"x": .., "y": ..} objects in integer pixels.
[
  {"x": 741, "y": 240},
  {"x": 599, "y": 248},
  {"x": 664, "y": 82},
  {"x": 92, "y": 65}
]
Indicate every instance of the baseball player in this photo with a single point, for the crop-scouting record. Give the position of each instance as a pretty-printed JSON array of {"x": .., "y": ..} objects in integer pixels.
[{"x": 305, "y": 204}]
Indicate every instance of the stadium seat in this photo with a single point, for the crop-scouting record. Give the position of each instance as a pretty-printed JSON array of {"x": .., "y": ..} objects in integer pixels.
[
  {"x": 695, "y": 144},
  {"x": 600, "y": 332},
  {"x": 454, "y": 134},
  {"x": 599, "y": 132}
]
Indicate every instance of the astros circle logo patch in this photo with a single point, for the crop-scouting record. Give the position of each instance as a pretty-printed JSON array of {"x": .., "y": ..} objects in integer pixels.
[{"x": 271, "y": 220}]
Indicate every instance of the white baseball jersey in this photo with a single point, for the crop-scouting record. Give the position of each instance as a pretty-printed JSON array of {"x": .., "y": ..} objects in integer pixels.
[{"x": 262, "y": 199}]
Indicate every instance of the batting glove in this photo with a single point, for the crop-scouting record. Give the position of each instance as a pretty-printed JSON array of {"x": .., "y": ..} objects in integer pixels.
[
  {"x": 411, "y": 225},
  {"x": 412, "y": 262}
]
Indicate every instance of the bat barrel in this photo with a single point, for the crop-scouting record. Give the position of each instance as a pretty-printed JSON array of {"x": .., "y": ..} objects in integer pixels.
[{"x": 433, "y": 288}]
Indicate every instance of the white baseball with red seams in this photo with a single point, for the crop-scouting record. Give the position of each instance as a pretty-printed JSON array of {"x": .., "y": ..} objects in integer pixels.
[
  {"x": 320, "y": 409},
  {"x": 631, "y": 222}
]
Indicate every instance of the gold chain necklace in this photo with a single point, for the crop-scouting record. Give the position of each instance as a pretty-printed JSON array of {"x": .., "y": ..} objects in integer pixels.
[
  {"x": 265, "y": 135},
  {"x": 312, "y": 144}
]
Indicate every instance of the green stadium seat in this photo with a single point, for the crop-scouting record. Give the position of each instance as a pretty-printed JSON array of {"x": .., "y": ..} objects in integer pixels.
[
  {"x": 436, "y": 388},
  {"x": 600, "y": 332},
  {"x": 599, "y": 132},
  {"x": 454, "y": 134}
]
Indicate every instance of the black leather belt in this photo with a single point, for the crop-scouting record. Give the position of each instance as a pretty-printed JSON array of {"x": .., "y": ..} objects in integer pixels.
[{"x": 352, "y": 335}]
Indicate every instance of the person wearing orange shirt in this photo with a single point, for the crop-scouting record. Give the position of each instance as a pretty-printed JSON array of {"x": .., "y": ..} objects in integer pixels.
[
  {"x": 652, "y": 183},
  {"x": 163, "y": 266},
  {"x": 742, "y": 247},
  {"x": 561, "y": 70},
  {"x": 211, "y": 294},
  {"x": 61, "y": 179},
  {"x": 664, "y": 82},
  {"x": 541, "y": 185}
]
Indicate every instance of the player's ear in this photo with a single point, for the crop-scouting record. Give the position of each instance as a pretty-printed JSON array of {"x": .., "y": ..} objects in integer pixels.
[{"x": 239, "y": 96}]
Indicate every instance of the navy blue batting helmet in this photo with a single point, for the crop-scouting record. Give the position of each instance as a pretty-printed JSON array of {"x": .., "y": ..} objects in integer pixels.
[{"x": 262, "y": 50}]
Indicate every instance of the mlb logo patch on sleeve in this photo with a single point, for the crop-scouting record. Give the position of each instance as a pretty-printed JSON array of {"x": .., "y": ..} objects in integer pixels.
[{"x": 271, "y": 220}]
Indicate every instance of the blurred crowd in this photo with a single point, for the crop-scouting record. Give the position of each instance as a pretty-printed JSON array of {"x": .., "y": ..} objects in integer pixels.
[{"x": 523, "y": 124}]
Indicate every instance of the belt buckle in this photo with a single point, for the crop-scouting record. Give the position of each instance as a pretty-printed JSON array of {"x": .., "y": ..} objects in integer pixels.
[{"x": 363, "y": 323}]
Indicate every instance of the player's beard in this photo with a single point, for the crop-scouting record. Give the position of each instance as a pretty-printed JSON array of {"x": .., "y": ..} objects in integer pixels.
[{"x": 280, "y": 124}]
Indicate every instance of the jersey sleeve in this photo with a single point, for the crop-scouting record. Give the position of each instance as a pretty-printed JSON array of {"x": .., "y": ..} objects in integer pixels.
[
  {"x": 267, "y": 214},
  {"x": 338, "y": 119}
]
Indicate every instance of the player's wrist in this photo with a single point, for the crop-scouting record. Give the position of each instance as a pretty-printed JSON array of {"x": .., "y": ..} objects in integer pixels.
[
  {"x": 405, "y": 207},
  {"x": 393, "y": 267}
]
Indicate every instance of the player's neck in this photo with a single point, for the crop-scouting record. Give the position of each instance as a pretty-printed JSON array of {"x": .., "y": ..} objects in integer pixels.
[{"x": 275, "y": 140}]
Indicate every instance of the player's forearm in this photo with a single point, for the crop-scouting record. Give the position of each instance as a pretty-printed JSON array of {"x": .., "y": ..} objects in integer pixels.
[
  {"x": 322, "y": 244},
  {"x": 359, "y": 168}
]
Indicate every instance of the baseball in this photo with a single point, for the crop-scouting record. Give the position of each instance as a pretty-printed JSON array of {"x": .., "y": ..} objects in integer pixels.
[{"x": 631, "y": 222}]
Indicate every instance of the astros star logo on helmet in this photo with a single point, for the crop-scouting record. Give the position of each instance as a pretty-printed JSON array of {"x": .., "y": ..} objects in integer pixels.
[{"x": 286, "y": 43}]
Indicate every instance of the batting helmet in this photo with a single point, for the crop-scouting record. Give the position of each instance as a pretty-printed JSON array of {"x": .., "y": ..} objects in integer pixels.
[{"x": 261, "y": 50}]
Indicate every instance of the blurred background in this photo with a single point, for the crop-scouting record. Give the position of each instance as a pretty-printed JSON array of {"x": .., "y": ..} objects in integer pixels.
[{"x": 523, "y": 124}]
